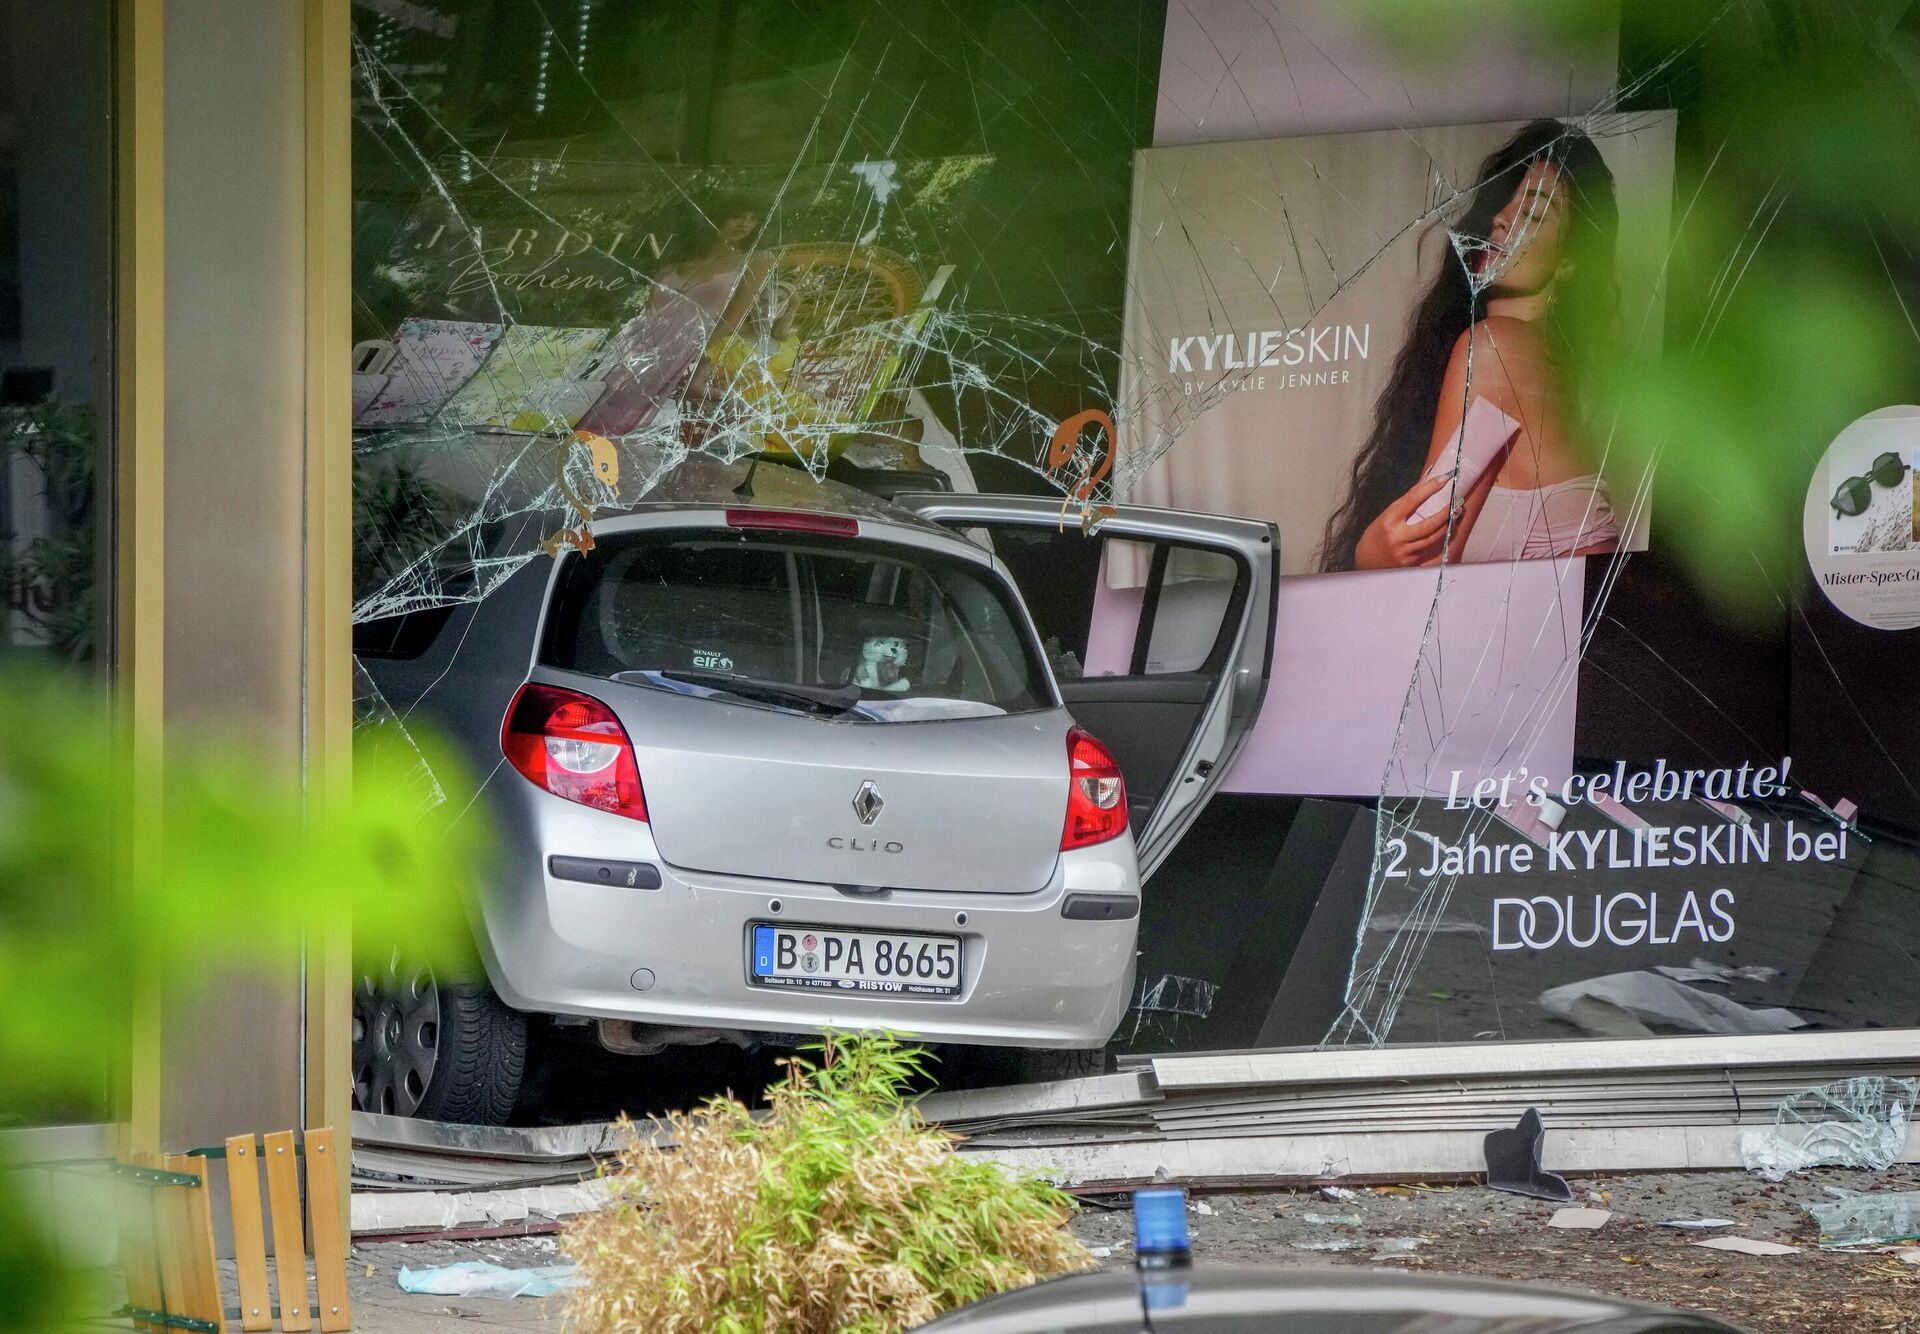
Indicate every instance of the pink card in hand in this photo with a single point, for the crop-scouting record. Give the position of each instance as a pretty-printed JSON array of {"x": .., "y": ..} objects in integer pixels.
[{"x": 1480, "y": 439}]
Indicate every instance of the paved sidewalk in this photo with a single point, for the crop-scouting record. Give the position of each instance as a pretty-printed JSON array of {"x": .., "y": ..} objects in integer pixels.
[
  {"x": 1473, "y": 1230},
  {"x": 1463, "y": 1229},
  {"x": 379, "y": 1307}
]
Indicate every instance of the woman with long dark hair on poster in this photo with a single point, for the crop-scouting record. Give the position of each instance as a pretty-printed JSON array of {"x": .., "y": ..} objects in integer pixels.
[{"x": 1475, "y": 390}]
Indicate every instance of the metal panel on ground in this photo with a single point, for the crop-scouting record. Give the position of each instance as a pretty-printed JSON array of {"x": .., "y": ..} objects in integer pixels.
[{"x": 1290, "y": 1117}]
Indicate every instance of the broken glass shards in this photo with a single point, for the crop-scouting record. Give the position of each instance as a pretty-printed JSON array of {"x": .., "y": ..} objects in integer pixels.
[
  {"x": 1856, "y": 1218},
  {"x": 1858, "y": 1122}
]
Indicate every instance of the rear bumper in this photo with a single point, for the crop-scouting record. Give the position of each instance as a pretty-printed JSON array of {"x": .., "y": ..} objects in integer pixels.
[{"x": 677, "y": 955}]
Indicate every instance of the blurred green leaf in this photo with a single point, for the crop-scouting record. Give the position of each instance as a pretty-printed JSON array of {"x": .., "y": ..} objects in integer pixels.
[
  {"x": 241, "y": 866},
  {"x": 1732, "y": 415},
  {"x": 1790, "y": 275},
  {"x": 1423, "y": 35}
]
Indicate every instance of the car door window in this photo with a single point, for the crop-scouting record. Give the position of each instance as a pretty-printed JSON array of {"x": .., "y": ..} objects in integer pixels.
[
  {"x": 1159, "y": 630},
  {"x": 1191, "y": 595},
  {"x": 1117, "y": 606}
]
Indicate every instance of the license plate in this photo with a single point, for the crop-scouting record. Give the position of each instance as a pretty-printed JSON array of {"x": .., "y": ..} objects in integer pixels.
[{"x": 871, "y": 963}]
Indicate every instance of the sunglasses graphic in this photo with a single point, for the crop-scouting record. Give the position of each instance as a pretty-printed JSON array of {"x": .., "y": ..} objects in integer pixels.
[{"x": 1856, "y": 493}]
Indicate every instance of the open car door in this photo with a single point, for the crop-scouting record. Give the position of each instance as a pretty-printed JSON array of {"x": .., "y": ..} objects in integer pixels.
[{"x": 1159, "y": 625}]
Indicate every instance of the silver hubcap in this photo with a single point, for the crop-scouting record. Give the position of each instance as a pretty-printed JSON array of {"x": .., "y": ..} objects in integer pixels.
[{"x": 396, "y": 1037}]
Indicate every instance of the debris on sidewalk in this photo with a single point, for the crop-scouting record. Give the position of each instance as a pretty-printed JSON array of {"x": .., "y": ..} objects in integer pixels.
[
  {"x": 1387, "y": 1248},
  {"x": 1585, "y": 1220},
  {"x": 1513, "y": 1162},
  {"x": 1772, "y": 1279},
  {"x": 1331, "y": 1244},
  {"x": 1747, "y": 1246},
  {"x": 1858, "y": 1218},
  {"x": 1859, "y": 1122},
  {"x": 1338, "y": 1194},
  {"x": 377, "y": 1212},
  {"x": 479, "y": 1278}
]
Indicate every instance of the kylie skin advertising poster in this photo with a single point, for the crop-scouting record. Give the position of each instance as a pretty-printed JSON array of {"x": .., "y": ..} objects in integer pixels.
[{"x": 1345, "y": 334}]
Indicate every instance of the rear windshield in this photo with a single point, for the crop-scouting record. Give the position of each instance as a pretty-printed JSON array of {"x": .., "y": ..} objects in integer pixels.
[{"x": 859, "y": 630}]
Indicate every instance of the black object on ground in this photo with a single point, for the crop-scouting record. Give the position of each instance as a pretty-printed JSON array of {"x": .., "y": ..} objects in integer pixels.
[{"x": 1513, "y": 1162}]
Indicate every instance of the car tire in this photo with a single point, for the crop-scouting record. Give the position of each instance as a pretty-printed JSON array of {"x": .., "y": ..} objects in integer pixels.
[
  {"x": 1045, "y": 1065},
  {"x": 483, "y": 1059},
  {"x": 453, "y": 1053}
]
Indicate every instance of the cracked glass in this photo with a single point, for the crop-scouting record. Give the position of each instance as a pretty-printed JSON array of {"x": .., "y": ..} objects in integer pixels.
[{"x": 1570, "y": 355}]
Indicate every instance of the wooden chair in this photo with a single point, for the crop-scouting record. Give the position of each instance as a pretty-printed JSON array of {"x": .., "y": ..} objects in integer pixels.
[{"x": 166, "y": 1248}]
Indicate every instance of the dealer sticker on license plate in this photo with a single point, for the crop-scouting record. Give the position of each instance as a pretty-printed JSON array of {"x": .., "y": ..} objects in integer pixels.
[{"x": 872, "y": 962}]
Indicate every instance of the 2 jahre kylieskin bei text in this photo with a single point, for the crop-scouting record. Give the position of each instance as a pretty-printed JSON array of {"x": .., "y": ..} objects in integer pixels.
[{"x": 1699, "y": 916}]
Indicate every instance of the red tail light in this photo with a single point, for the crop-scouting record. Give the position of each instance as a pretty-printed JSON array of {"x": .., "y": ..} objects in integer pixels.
[
  {"x": 1096, "y": 793},
  {"x": 572, "y": 745}
]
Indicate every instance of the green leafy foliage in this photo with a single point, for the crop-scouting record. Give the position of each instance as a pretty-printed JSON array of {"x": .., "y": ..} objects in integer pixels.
[
  {"x": 127, "y": 874},
  {"x": 1787, "y": 279},
  {"x": 836, "y": 1210}
]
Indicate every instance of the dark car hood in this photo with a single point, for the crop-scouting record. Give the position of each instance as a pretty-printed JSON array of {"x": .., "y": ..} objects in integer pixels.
[{"x": 1234, "y": 1300}]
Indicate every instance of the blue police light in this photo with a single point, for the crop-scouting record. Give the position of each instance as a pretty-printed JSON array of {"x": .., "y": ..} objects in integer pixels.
[{"x": 1160, "y": 1228}]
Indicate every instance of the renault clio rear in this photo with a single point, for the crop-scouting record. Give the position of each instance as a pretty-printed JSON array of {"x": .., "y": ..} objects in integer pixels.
[
  {"x": 755, "y": 771},
  {"x": 792, "y": 770}
]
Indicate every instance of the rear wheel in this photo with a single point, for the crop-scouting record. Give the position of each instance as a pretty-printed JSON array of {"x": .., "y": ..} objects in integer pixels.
[{"x": 442, "y": 1053}]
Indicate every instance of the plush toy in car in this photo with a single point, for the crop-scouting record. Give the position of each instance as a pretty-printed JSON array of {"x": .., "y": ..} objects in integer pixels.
[{"x": 883, "y": 659}]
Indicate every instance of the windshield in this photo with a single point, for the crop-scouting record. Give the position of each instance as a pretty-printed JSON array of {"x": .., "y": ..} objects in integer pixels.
[{"x": 859, "y": 630}]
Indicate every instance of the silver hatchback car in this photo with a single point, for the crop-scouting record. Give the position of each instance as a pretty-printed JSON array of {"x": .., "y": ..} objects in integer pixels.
[{"x": 759, "y": 769}]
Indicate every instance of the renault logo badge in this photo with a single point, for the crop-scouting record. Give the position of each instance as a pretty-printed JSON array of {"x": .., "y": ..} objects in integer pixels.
[{"x": 867, "y": 803}]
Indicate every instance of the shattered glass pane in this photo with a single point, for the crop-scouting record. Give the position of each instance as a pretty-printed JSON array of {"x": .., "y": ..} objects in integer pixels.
[
  {"x": 1164, "y": 1002},
  {"x": 593, "y": 240},
  {"x": 1581, "y": 722},
  {"x": 556, "y": 308},
  {"x": 1596, "y": 773},
  {"x": 1855, "y": 1218},
  {"x": 1854, "y": 1123}
]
